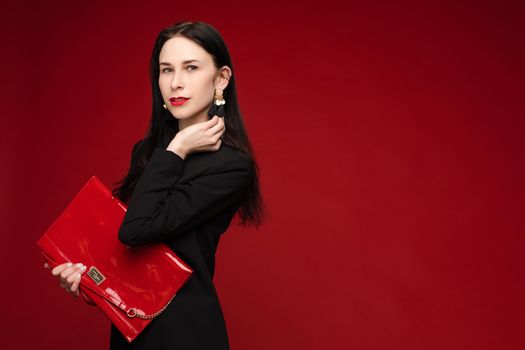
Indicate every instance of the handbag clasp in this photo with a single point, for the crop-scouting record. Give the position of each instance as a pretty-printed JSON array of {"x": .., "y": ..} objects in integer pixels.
[{"x": 95, "y": 275}]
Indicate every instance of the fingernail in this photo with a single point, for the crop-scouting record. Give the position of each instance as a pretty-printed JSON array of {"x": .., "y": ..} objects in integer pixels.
[
  {"x": 83, "y": 268},
  {"x": 69, "y": 264},
  {"x": 79, "y": 264}
]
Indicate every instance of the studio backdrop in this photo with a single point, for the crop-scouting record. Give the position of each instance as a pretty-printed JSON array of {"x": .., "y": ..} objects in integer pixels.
[{"x": 390, "y": 140}]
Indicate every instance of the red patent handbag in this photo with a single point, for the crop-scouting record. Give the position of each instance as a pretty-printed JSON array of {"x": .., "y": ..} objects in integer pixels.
[{"x": 130, "y": 285}]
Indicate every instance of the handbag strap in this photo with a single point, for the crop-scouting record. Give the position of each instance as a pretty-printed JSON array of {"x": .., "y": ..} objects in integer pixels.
[{"x": 129, "y": 311}]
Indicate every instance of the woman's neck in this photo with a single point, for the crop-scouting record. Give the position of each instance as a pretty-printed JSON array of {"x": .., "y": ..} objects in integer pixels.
[{"x": 184, "y": 123}]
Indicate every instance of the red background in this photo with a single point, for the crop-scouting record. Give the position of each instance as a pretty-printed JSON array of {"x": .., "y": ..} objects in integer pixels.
[{"x": 390, "y": 141}]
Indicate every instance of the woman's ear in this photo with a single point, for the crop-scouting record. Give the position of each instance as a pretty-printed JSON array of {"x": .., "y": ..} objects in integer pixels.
[{"x": 223, "y": 77}]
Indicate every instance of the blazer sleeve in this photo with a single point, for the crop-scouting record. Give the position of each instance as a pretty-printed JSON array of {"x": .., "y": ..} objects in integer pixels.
[{"x": 162, "y": 208}]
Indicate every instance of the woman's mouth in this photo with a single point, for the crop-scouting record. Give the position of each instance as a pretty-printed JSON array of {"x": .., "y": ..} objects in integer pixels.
[{"x": 179, "y": 101}]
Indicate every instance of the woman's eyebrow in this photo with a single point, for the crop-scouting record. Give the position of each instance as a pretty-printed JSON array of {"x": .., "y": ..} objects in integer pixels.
[{"x": 183, "y": 62}]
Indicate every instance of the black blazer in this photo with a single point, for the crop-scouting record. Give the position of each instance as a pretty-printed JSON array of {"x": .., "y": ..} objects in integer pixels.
[{"x": 186, "y": 204}]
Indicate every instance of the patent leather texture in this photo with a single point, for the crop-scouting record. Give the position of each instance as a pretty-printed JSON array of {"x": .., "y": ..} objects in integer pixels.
[{"x": 130, "y": 285}]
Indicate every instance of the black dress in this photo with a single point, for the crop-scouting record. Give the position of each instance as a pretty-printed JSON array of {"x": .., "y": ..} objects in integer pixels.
[{"x": 187, "y": 204}]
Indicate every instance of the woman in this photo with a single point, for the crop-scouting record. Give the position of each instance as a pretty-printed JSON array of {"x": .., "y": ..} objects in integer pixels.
[{"x": 188, "y": 177}]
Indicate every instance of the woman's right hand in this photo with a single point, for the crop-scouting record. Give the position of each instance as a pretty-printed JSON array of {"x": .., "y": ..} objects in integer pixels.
[
  {"x": 69, "y": 276},
  {"x": 203, "y": 136}
]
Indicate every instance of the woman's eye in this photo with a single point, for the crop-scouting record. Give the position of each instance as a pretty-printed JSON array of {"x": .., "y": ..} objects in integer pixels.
[{"x": 167, "y": 69}]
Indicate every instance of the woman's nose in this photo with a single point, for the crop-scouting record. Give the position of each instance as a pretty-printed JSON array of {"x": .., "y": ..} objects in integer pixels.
[{"x": 176, "y": 82}]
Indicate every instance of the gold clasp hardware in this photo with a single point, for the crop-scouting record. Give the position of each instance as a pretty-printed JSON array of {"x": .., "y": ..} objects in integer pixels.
[{"x": 95, "y": 275}]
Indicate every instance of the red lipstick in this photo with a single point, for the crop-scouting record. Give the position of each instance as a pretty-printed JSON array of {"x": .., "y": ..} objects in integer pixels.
[{"x": 178, "y": 101}]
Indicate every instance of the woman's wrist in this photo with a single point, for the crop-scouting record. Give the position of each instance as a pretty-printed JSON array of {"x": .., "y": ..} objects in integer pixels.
[{"x": 178, "y": 150}]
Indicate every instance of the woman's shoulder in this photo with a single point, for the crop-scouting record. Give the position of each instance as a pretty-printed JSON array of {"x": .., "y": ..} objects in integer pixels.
[
  {"x": 136, "y": 147},
  {"x": 229, "y": 153}
]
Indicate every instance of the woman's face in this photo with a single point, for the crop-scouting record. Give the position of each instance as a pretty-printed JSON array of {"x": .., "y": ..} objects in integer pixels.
[{"x": 187, "y": 70}]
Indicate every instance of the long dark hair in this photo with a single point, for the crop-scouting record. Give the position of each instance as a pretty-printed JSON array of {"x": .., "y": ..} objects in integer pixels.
[{"x": 163, "y": 126}]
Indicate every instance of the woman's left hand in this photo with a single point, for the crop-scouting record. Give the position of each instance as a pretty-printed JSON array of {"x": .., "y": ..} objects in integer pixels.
[{"x": 69, "y": 276}]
